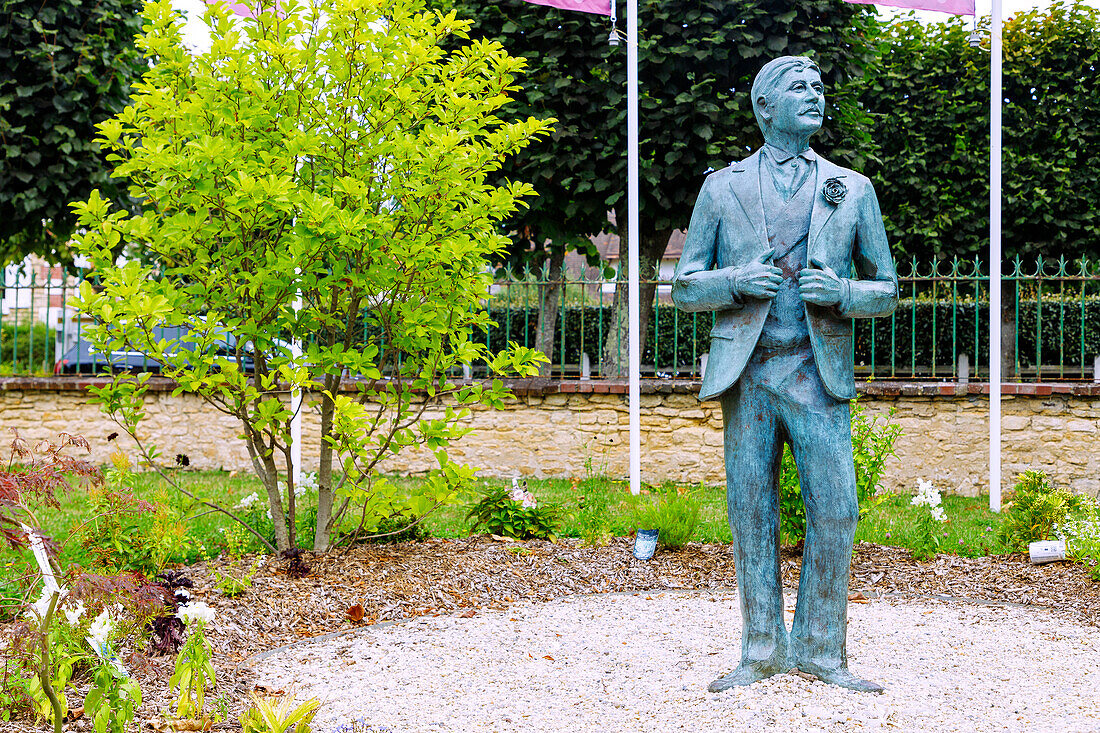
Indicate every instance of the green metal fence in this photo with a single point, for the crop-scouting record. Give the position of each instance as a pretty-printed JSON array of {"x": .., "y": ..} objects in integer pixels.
[{"x": 939, "y": 331}]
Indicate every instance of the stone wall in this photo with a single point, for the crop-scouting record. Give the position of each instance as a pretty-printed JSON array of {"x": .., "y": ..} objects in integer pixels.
[{"x": 570, "y": 428}]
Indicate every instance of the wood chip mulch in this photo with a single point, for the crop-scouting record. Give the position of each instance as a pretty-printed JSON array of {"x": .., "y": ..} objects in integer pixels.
[{"x": 374, "y": 584}]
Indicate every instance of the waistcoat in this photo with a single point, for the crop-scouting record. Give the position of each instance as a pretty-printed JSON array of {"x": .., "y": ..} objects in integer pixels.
[{"x": 788, "y": 232}]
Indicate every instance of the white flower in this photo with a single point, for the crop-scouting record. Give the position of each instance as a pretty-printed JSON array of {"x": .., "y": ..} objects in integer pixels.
[
  {"x": 195, "y": 612},
  {"x": 73, "y": 615},
  {"x": 937, "y": 513},
  {"x": 248, "y": 500},
  {"x": 100, "y": 631},
  {"x": 927, "y": 495},
  {"x": 307, "y": 483}
]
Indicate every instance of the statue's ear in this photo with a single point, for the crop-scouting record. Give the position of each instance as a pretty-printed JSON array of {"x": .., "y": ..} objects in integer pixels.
[{"x": 762, "y": 105}]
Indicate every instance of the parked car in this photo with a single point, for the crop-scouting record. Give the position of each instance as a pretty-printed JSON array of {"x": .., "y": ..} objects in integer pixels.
[{"x": 83, "y": 358}]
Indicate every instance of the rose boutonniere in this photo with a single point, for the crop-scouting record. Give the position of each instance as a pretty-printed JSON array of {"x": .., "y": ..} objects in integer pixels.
[{"x": 834, "y": 190}]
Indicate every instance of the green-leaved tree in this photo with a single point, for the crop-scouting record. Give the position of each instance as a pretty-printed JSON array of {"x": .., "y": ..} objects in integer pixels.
[
  {"x": 929, "y": 100},
  {"x": 64, "y": 67},
  {"x": 697, "y": 60},
  {"x": 321, "y": 176}
]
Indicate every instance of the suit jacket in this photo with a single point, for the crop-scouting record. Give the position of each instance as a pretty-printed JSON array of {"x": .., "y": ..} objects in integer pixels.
[{"x": 728, "y": 230}]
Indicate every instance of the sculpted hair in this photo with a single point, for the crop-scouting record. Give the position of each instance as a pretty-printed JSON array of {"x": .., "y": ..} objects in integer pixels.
[{"x": 768, "y": 78}]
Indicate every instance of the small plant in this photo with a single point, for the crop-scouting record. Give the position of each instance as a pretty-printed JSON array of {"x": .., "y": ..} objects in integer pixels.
[
  {"x": 514, "y": 513},
  {"x": 873, "y": 442},
  {"x": 233, "y": 586},
  {"x": 675, "y": 515},
  {"x": 279, "y": 715},
  {"x": 295, "y": 565},
  {"x": 792, "y": 511},
  {"x": 111, "y": 700},
  {"x": 872, "y": 445},
  {"x": 221, "y": 708},
  {"x": 194, "y": 669},
  {"x": 1081, "y": 531},
  {"x": 397, "y": 528},
  {"x": 56, "y": 660},
  {"x": 594, "y": 515},
  {"x": 926, "y": 535},
  {"x": 128, "y": 534},
  {"x": 166, "y": 628},
  {"x": 1035, "y": 509}
]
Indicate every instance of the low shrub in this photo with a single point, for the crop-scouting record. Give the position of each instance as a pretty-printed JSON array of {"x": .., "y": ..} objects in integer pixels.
[
  {"x": 514, "y": 513},
  {"x": 674, "y": 514},
  {"x": 926, "y": 537},
  {"x": 1081, "y": 531},
  {"x": 255, "y": 512},
  {"x": 279, "y": 715},
  {"x": 1034, "y": 509}
]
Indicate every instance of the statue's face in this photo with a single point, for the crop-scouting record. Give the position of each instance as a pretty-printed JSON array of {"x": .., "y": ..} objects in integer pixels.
[{"x": 797, "y": 105}]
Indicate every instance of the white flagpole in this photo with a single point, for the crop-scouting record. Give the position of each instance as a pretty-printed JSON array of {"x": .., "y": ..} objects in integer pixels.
[
  {"x": 995, "y": 101},
  {"x": 633, "y": 337}
]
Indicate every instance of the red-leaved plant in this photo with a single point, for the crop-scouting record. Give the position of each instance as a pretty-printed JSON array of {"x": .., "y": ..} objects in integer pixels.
[{"x": 33, "y": 479}]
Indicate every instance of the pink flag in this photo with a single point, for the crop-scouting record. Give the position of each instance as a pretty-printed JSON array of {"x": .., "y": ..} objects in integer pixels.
[
  {"x": 955, "y": 7},
  {"x": 599, "y": 7},
  {"x": 238, "y": 8}
]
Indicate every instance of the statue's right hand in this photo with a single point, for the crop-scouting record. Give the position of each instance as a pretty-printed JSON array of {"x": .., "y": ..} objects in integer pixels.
[{"x": 758, "y": 279}]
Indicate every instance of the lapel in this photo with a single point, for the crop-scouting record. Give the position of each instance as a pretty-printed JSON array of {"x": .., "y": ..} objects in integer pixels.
[
  {"x": 745, "y": 184},
  {"x": 822, "y": 210}
]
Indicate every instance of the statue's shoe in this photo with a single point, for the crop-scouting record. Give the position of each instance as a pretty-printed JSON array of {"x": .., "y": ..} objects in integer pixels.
[
  {"x": 839, "y": 677},
  {"x": 746, "y": 674}
]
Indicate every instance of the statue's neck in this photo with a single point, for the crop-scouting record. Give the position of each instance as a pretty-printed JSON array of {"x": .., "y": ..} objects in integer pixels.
[{"x": 793, "y": 143}]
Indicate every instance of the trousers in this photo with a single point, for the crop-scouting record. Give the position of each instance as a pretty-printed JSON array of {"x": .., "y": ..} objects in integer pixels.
[{"x": 779, "y": 399}]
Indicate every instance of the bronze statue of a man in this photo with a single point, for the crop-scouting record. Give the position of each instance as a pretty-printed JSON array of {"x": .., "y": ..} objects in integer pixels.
[{"x": 786, "y": 248}]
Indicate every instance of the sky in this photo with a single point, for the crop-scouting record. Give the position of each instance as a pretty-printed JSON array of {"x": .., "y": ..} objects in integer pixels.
[{"x": 983, "y": 7}]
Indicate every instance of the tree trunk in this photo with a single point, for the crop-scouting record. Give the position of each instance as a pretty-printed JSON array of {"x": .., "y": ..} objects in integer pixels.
[
  {"x": 264, "y": 465},
  {"x": 275, "y": 503},
  {"x": 615, "y": 360},
  {"x": 550, "y": 293},
  {"x": 1008, "y": 354},
  {"x": 322, "y": 534}
]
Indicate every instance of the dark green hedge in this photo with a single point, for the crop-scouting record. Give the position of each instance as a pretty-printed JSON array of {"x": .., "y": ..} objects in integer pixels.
[{"x": 26, "y": 349}]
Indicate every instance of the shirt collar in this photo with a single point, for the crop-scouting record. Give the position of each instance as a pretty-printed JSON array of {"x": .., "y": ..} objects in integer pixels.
[{"x": 781, "y": 156}]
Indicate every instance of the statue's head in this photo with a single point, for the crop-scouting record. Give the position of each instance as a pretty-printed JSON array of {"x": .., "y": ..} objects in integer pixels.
[{"x": 788, "y": 97}]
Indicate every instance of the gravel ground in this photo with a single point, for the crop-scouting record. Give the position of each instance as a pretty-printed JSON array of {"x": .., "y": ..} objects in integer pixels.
[{"x": 642, "y": 661}]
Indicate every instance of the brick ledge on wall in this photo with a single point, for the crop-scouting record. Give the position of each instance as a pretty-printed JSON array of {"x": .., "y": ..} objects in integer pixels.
[{"x": 537, "y": 386}]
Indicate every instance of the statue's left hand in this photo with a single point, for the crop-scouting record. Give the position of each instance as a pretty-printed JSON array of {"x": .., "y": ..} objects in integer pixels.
[{"x": 819, "y": 284}]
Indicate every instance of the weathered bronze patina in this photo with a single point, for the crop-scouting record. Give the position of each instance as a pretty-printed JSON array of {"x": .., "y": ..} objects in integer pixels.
[{"x": 786, "y": 248}]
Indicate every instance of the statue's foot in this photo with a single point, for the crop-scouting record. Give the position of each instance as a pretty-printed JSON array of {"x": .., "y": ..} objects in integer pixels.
[
  {"x": 746, "y": 674},
  {"x": 840, "y": 677}
]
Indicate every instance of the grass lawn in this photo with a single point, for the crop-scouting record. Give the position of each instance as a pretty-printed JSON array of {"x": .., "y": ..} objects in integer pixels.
[
  {"x": 193, "y": 531},
  {"x": 971, "y": 529}
]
